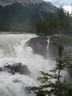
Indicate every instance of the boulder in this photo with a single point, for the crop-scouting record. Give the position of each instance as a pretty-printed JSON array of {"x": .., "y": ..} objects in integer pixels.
[
  {"x": 7, "y": 66},
  {"x": 15, "y": 68},
  {"x": 39, "y": 45},
  {"x": 24, "y": 70},
  {"x": 0, "y": 69}
]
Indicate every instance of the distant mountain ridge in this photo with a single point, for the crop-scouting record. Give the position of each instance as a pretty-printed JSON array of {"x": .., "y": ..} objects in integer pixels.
[
  {"x": 21, "y": 1},
  {"x": 24, "y": 12},
  {"x": 9, "y": 2},
  {"x": 45, "y": 6}
]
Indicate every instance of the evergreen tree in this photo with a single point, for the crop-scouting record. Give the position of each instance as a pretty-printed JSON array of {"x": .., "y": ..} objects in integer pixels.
[
  {"x": 61, "y": 19},
  {"x": 48, "y": 26},
  {"x": 64, "y": 20},
  {"x": 61, "y": 24},
  {"x": 52, "y": 83}
]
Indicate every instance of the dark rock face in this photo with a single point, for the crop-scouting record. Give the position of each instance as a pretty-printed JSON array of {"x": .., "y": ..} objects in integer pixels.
[
  {"x": 70, "y": 69},
  {"x": 16, "y": 68},
  {"x": 54, "y": 52},
  {"x": 68, "y": 50},
  {"x": 39, "y": 45},
  {"x": 53, "y": 46},
  {"x": 54, "y": 40},
  {"x": 0, "y": 69},
  {"x": 24, "y": 70}
]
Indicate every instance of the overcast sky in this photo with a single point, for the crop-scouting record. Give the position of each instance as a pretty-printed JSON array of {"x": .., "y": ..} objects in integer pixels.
[{"x": 65, "y": 3}]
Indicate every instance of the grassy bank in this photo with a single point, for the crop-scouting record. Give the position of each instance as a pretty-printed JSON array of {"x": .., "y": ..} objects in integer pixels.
[
  {"x": 15, "y": 28},
  {"x": 63, "y": 38},
  {"x": 66, "y": 39}
]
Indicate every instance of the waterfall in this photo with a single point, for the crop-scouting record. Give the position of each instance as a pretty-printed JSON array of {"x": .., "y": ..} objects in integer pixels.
[{"x": 13, "y": 49}]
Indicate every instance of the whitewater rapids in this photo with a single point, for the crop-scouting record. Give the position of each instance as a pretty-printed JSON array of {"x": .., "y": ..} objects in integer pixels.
[{"x": 13, "y": 49}]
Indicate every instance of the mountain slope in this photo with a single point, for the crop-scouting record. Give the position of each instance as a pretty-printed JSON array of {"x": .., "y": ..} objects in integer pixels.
[
  {"x": 24, "y": 13},
  {"x": 45, "y": 6}
]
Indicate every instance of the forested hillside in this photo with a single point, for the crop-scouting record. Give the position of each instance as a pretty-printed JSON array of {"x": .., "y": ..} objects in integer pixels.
[
  {"x": 18, "y": 17},
  {"x": 60, "y": 24}
]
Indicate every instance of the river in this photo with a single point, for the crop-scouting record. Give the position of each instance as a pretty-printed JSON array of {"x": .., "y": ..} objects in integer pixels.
[{"x": 13, "y": 49}]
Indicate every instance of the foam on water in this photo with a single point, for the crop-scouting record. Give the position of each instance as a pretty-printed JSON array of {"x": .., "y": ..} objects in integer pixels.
[
  {"x": 13, "y": 49},
  {"x": 14, "y": 85}
]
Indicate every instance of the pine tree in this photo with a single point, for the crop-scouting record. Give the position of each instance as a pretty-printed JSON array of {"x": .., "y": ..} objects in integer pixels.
[{"x": 52, "y": 83}]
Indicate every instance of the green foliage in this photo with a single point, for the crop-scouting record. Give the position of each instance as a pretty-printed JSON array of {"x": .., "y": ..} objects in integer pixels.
[
  {"x": 60, "y": 24},
  {"x": 47, "y": 26},
  {"x": 66, "y": 39},
  {"x": 64, "y": 20},
  {"x": 18, "y": 14},
  {"x": 15, "y": 28},
  {"x": 52, "y": 83}
]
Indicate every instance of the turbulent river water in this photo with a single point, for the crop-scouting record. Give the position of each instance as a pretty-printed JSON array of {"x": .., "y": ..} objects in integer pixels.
[{"x": 13, "y": 49}]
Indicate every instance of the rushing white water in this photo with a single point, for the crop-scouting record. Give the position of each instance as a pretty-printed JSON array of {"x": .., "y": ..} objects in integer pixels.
[{"x": 13, "y": 49}]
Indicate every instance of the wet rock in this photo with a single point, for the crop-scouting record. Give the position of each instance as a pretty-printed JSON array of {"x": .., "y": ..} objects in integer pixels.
[
  {"x": 68, "y": 50},
  {"x": 15, "y": 68},
  {"x": 39, "y": 45},
  {"x": 53, "y": 51},
  {"x": 24, "y": 70},
  {"x": 70, "y": 70},
  {"x": 7, "y": 65},
  {"x": 54, "y": 40},
  {"x": 0, "y": 69},
  {"x": 53, "y": 46},
  {"x": 16, "y": 81}
]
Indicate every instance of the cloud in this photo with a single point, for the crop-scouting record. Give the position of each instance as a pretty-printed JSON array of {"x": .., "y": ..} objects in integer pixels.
[
  {"x": 60, "y": 2},
  {"x": 67, "y": 8},
  {"x": 65, "y": 3}
]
